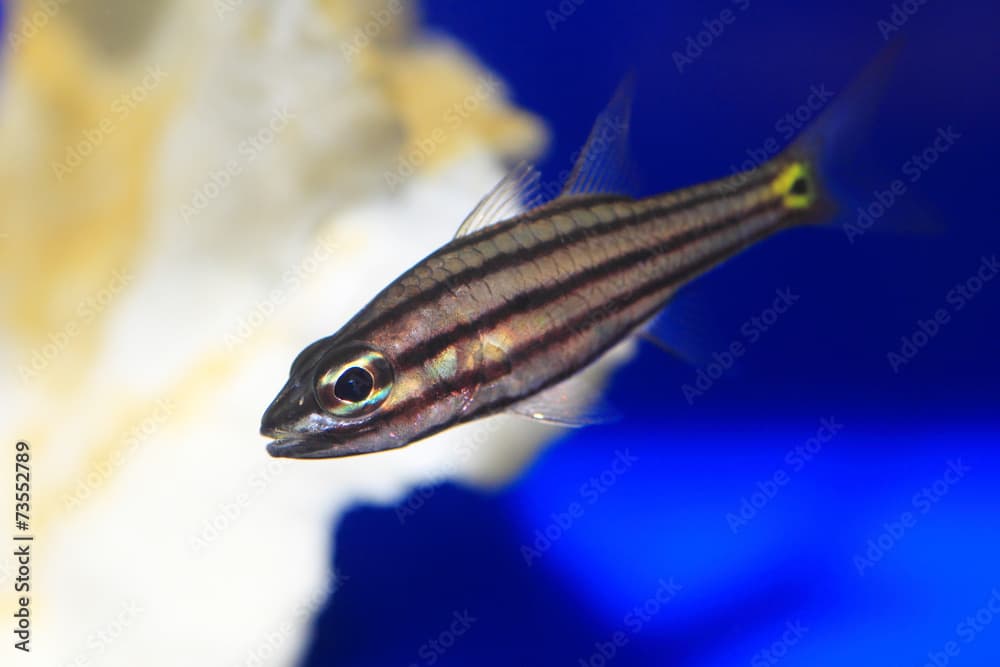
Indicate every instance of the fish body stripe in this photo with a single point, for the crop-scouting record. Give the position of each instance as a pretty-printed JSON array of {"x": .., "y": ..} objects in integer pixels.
[
  {"x": 529, "y": 296},
  {"x": 676, "y": 203},
  {"x": 650, "y": 290}
]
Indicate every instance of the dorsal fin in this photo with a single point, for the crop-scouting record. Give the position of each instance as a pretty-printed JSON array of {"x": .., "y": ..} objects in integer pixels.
[
  {"x": 604, "y": 165},
  {"x": 516, "y": 192}
]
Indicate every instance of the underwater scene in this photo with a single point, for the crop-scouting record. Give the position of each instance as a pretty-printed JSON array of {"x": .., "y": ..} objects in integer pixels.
[{"x": 607, "y": 419}]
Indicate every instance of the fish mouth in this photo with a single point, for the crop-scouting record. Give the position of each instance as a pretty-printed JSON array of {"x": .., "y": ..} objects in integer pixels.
[
  {"x": 319, "y": 446},
  {"x": 288, "y": 443},
  {"x": 300, "y": 447}
]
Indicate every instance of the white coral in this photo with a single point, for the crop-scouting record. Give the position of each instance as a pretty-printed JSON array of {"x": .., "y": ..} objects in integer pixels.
[{"x": 236, "y": 210}]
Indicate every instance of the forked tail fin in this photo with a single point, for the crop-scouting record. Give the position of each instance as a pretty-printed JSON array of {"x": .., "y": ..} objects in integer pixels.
[{"x": 812, "y": 167}]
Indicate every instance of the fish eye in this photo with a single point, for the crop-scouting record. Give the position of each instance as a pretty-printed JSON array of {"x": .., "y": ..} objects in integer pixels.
[
  {"x": 354, "y": 383},
  {"x": 800, "y": 186},
  {"x": 354, "y": 386}
]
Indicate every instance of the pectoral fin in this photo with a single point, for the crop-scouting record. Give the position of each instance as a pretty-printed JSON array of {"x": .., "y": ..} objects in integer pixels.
[{"x": 574, "y": 402}]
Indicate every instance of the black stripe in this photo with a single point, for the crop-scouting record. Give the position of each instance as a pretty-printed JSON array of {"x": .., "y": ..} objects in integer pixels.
[
  {"x": 557, "y": 334},
  {"x": 540, "y": 295},
  {"x": 504, "y": 261},
  {"x": 552, "y": 208}
]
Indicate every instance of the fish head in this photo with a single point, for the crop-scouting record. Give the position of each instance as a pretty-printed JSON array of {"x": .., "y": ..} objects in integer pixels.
[{"x": 344, "y": 398}]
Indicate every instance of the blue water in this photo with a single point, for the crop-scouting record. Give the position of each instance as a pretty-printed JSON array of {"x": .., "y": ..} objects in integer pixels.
[
  {"x": 811, "y": 505},
  {"x": 735, "y": 528}
]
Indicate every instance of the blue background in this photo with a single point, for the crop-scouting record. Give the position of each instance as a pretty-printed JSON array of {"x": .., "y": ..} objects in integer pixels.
[
  {"x": 878, "y": 490},
  {"x": 884, "y": 476}
]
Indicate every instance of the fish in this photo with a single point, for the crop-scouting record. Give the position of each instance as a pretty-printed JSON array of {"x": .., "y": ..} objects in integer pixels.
[{"x": 506, "y": 316}]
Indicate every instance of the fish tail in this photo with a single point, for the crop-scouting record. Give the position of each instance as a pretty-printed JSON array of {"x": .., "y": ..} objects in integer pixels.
[{"x": 826, "y": 152}]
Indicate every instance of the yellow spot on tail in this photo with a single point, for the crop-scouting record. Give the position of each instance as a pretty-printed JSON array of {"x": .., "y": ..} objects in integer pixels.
[{"x": 795, "y": 186}]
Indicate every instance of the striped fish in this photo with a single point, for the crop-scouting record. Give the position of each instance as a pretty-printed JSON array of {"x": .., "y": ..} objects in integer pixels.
[{"x": 506, "y": 315}]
